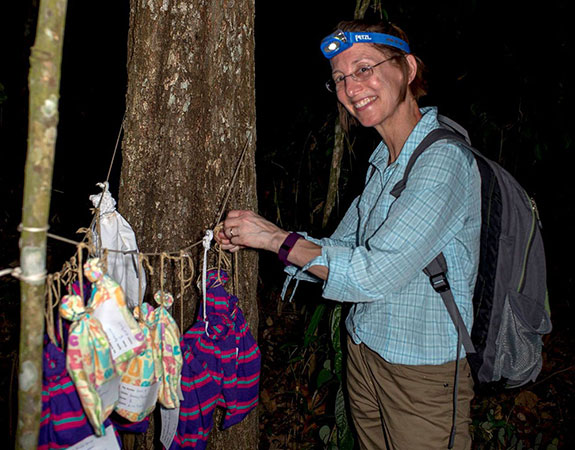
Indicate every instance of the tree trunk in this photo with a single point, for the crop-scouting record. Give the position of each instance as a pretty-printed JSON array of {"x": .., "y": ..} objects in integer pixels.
[
  {"x": 334, "y": 172},
  {"x": 190, "y": 111},
  {"x": 44, "y": 83}
]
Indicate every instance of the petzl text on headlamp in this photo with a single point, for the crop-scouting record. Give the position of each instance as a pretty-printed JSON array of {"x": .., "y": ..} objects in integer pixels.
[{"x": 339, "y": 41}]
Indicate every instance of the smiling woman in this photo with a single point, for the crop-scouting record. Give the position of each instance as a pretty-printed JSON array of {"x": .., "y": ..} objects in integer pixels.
[
  {"x": 401, "y": 339},
  {"x": 392, "y": 44},
  {"x": 380, "y": 97}
]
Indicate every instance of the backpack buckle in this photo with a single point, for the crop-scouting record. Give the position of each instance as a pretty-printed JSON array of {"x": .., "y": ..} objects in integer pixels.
[{"x": 439, "y": 282}]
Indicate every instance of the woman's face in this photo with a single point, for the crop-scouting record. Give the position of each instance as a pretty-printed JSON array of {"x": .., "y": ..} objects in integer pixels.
[{"x": 375, "y": 100}]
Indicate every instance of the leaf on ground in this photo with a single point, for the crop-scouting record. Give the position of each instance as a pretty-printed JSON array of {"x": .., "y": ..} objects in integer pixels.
[
  {"x": 527, "y": 399},
  {"x": 268, "y": 402}
]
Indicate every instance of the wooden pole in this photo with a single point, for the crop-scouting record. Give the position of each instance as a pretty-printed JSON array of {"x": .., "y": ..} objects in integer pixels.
[{"x": 44, "y": 86}]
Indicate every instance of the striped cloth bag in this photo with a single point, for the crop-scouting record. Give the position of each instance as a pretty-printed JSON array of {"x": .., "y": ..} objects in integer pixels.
[
  {"x": 63, "y": 421},
  {"x": 221, "y": 367},
  {"x": 248, "y": 358},
  {"x": 200, "y": 392}
]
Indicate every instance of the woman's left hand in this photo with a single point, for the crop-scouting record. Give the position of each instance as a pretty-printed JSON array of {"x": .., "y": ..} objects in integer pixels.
[{"x": 248, "y": 229}]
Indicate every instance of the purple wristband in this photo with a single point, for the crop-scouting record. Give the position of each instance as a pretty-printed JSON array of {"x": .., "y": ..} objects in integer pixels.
[{"x": 287, "y": 247}]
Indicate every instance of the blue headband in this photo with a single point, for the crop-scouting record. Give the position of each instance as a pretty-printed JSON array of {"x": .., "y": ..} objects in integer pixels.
[{"x": 339, "y": 41}]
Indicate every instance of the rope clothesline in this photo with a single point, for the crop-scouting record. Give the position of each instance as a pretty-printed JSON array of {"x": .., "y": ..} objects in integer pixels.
[
  {"x": 72, "y": 269},
  {"x": 15, "y": 272}
]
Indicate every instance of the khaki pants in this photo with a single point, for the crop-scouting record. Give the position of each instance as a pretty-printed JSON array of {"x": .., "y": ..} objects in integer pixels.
[{"x": 402, "y": 407}]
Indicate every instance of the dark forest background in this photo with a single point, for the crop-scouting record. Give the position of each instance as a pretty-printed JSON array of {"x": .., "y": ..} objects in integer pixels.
[{"x": 503, "y": 69}]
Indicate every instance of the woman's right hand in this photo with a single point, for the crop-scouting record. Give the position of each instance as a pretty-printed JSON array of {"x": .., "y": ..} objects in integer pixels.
[{"x": 247, "y": 229}]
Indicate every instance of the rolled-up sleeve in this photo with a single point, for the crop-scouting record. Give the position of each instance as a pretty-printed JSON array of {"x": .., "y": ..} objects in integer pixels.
[{"x": 345, "y": 236}]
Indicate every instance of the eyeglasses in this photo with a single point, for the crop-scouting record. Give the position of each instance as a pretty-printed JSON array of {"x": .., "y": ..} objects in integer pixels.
[{"x": 363, "y": 73}]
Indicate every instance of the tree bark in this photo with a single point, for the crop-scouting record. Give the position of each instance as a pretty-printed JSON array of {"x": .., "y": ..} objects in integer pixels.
[
  {"x": 190, "y": 113},
  {"x": 44, "y": 84},
  {"x": 335, "y": 171}
]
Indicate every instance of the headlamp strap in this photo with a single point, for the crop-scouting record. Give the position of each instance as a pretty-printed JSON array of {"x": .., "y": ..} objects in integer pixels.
[
  {"x": 380, "y": 38},
  {"x": 339, "y": 41}
]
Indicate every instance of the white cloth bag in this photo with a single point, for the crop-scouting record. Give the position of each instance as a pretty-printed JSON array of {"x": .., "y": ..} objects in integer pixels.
[{"x": 117, "y": 234}]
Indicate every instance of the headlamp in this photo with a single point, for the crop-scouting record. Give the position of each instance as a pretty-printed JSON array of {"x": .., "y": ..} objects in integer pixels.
[{"x": 339, "y": 41}]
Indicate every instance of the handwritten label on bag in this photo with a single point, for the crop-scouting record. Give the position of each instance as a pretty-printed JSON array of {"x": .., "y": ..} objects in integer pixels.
[
  {"x": 106, "y": 442},
  {"x": 108, "y": 392},
  {"x": 120, "y": 336},
  {"x": 137, "y": 399},
  {"x": 170, "y": 419}
]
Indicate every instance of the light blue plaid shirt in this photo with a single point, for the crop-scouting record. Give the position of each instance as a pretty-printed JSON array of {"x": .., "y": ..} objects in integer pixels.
[{"x": 378, "y": 252}]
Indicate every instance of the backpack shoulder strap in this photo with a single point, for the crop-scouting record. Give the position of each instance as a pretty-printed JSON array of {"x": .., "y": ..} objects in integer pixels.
[
  {"x": 436, "y": 270},
  {"x": 452, "y": 125},
  {"x": 433, "y": 136}
]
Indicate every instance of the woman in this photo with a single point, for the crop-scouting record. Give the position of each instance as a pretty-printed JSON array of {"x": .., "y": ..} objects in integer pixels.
[{"x": 402, "y": 344}]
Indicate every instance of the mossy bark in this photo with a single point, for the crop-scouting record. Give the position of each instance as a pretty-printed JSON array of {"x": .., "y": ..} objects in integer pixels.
[
  {"x": 44, "y": 85},
  {"x": 190, "y": 112}
]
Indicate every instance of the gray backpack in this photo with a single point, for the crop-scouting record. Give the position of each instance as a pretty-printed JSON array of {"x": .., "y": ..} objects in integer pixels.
[{"x": 510, "y": 299}]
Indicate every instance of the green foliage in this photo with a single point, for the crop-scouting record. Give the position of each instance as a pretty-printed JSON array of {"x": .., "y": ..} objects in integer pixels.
[
  {"x": 345, "y": 438},
  {"x": 343, "y": 432},
  {"x": 325, "y": 375},
  {"x": 336, "y": 337},
  {"x": 493, "y": 432},
  {"x": 311, "y": 331}
]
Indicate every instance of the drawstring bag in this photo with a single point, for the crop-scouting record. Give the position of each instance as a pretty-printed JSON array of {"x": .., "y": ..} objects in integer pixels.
[
  {"x": 115, "y": 233},
  {"x": 63, "y": 421},
  {"x": 140, "y": 381},
  {"x": 166, "y": 340},
  {"x": 125, "y": 336},
  {"x": 219, "y": 351},
  {"x": 201, "y": 390},
  {"x": 89, "y": 362},
  {"x": 248, "y": 356},
  {"x": 240, "y": 396}
]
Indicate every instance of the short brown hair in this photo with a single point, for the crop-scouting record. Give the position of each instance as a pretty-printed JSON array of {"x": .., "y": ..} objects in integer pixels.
[{"x": 418, "y": 86}]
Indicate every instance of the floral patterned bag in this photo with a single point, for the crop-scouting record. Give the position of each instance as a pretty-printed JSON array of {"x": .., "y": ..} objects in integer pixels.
[
  {"x": 166, "y": 338},
  {"x": 89, "y": 362},
  {"x": 141, "y": 380},
  {"x": 125, "y": 336}
]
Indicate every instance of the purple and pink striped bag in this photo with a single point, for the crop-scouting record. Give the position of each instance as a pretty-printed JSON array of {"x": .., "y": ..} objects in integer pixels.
[
  {"x": 221, "y": 367},
  {"x": 63, "y": 422}
]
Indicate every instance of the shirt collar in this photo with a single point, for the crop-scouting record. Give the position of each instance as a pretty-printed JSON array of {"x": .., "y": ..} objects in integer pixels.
[{"x": 428, "y": 122}]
